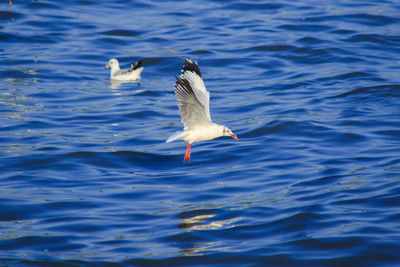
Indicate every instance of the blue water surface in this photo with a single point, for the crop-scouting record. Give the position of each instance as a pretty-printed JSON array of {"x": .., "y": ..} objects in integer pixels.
[{"x": 311, "y": 88}]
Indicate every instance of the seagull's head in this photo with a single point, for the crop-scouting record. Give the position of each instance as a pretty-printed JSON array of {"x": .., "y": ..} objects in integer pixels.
[
  {"x": 227, "y": 132},
  {"x": 113, "y": 63}
]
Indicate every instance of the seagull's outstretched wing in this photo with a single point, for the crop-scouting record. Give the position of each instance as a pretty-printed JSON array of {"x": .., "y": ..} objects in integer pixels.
[{"x": 193, "y": 98}]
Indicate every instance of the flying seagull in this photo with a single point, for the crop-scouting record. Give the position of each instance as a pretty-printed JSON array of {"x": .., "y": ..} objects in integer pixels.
[{"x": 193, "y": 101}]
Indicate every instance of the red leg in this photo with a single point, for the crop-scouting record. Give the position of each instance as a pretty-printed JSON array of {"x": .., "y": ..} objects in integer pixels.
[{"x": 187, "y": 154}]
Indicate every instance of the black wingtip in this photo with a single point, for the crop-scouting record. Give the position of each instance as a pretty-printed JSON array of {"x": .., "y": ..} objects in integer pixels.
[
  {"x": 137, "y": 65},
  {"x": 191, "y": 66}
]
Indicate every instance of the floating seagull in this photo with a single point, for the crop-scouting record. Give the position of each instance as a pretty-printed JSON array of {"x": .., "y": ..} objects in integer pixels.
[
  {"x": 193, "y": 101},
  {"x": 131, "y": 74}
]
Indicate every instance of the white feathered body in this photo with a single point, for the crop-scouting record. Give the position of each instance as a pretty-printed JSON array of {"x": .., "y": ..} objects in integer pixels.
[
  {"x": 122, "y": 75},
  {"x": 199, "y": 134}
]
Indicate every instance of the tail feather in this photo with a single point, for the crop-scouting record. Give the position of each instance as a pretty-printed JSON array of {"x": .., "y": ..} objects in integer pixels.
[{"x": 179, "y": 135}]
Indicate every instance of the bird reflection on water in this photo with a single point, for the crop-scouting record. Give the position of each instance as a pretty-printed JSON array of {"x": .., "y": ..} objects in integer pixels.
[{"x": 202, "y": 222}]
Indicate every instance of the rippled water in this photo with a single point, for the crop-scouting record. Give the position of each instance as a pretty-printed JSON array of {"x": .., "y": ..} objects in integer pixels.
[{"x": 311, "y": 88}]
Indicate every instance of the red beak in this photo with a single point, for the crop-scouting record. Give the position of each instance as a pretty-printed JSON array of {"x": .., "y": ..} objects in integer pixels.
[
  {"x": 107, "y": 66},
  {"x": 234, "y": 136}
]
